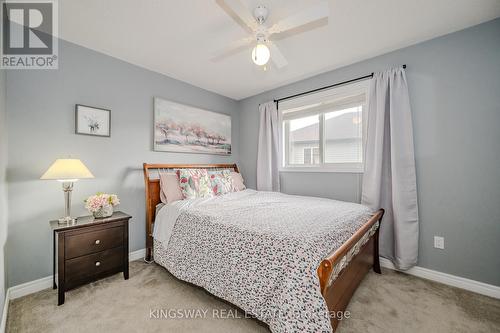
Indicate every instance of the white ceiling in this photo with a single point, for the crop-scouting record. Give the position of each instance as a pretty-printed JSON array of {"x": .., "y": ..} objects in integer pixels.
[{"x": 178, "y": 38}]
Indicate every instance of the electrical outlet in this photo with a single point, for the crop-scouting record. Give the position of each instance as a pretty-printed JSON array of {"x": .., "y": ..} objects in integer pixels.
[{"x": 439, "y": 242}]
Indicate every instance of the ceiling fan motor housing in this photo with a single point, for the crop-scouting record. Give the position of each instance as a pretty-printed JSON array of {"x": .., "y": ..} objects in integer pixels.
[
  {"x": 260, "y": 13},
  {"x": 261, "y": 37}
]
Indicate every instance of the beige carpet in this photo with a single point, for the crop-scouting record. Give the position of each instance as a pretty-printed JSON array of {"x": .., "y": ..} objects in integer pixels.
[{"x": 391, "y": 302}]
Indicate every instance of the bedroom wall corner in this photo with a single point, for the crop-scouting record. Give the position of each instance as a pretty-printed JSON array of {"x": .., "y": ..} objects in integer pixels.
[{"x": 3, "y": 190}]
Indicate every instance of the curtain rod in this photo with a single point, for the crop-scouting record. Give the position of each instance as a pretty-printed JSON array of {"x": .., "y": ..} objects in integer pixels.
[{"x": 326, "y": 87}]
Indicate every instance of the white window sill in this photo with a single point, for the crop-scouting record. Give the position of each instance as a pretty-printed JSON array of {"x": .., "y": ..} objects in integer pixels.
[{"x": 322, "y": 169}]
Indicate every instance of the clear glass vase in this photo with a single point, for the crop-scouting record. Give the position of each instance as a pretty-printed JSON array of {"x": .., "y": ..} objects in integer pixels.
[{"x": 105, "y": 211}]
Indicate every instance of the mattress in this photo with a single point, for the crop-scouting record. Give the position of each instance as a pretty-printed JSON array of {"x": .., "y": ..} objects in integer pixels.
[{"x": 258, "y": 250}]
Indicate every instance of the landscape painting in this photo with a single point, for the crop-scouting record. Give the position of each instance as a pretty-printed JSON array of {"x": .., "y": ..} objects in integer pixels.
[{"x": 187, "y": 129}]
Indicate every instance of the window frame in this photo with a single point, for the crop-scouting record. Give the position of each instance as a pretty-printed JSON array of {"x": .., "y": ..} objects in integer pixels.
[{"x": 338, "y": 98}]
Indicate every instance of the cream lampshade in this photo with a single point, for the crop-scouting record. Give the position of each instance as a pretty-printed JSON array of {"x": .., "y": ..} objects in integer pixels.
[{"x": 67, "y": 171}]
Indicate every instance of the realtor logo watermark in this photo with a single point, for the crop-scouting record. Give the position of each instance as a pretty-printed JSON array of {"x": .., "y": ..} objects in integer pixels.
[{"x": 29, "y": 34}]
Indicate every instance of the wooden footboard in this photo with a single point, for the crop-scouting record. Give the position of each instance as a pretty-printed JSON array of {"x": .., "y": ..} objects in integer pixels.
[{"x": 341, "y": 272}]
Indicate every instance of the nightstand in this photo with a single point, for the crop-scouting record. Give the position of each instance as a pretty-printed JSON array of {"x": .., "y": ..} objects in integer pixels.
[{"x": 88, "y": 250}]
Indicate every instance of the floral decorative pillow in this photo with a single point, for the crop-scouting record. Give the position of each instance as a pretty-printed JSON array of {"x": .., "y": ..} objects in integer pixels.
[
  {"x": 194, "y": 183},
  {"x": 221, "y": 181}
]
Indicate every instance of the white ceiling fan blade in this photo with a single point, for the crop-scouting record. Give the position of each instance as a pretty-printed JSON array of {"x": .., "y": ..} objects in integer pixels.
[
  {"x": 276, "y": 56},
  {"x": 233, "y": 48},
  {"x": 239, "y": 13},
  {"x": 311, "y": 15}
]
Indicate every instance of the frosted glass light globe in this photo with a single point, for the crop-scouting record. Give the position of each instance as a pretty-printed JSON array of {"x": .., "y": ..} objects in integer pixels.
[{"x": 261, "y": 54}]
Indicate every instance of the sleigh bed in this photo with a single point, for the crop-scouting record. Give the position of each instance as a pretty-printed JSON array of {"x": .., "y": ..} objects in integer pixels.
[{"x": 222, "y": 245}]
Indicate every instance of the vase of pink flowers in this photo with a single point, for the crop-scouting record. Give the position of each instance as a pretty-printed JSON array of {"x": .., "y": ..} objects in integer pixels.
[{"x": 101, "y": 205}]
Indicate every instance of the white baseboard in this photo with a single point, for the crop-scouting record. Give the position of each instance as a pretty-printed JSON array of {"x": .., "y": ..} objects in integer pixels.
[
  {"x": 139, "y": 254},
  {"x": 3, "y": 324},
  {"x": 46, "y": 282},
  {"x": 30, "y": 287},
  {"x": 448, "y": 279}
]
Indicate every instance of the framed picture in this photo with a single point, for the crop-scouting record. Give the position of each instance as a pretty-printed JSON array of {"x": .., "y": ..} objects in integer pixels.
[
  {"x": 92, "y": 121},
  {"x": 186, "y": 129}
]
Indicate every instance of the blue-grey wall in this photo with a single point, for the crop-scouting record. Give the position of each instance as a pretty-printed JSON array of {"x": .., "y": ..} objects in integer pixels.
[
  {"x": 3, "y": 188},
  {"x": 40, "y": 118},
  {"x": 454, "y": 84}
]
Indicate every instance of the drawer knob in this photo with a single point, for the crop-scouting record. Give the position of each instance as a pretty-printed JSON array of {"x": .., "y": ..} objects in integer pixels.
[
  {"x": 98, "y": 263},
  {"x": 97, "y": 242}
]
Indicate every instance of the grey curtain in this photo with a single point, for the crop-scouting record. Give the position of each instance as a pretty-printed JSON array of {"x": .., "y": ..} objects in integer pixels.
[
  {"x": 389, "y": 180},
  {"x": 268, "y": 156}
]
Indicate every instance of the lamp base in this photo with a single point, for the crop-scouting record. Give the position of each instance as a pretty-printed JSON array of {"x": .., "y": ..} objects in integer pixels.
[
  {"x": 67, "y": 188},
  {"x": 67, "y": 220}
]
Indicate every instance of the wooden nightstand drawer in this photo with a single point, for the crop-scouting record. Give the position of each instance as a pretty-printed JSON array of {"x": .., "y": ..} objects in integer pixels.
[
  {"x": 94, "y": 241},
  {"x": 85, "y": 268}
]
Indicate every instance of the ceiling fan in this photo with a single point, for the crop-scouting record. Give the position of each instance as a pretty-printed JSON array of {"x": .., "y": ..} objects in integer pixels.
[{"x": 262, "y": 35}]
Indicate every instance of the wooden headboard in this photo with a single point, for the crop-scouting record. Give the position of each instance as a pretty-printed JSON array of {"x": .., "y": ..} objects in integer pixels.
[{"x": 152, "y": 186}]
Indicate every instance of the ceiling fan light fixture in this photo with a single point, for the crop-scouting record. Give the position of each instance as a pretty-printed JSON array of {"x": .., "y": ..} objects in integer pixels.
[{"x": 261, "y": 54}]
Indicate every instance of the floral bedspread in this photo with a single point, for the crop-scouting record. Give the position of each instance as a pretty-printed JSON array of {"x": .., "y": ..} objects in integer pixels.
[{"x": 260, "y": 251}]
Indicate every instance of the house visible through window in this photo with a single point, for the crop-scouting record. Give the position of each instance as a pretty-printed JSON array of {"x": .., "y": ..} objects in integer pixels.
[
  {"x": 311, "y": 155},
  {"x": 324, "y": 131}
]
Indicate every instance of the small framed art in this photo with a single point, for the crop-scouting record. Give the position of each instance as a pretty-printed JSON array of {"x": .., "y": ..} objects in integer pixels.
[{"x": 92, "y": 121}]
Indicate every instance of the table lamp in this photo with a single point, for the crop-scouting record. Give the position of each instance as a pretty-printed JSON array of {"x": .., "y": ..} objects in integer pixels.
[{"x": 67, "y": 171}]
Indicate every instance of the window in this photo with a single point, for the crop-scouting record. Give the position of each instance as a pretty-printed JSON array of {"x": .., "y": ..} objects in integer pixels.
[{"x": 324, "y": 131}]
